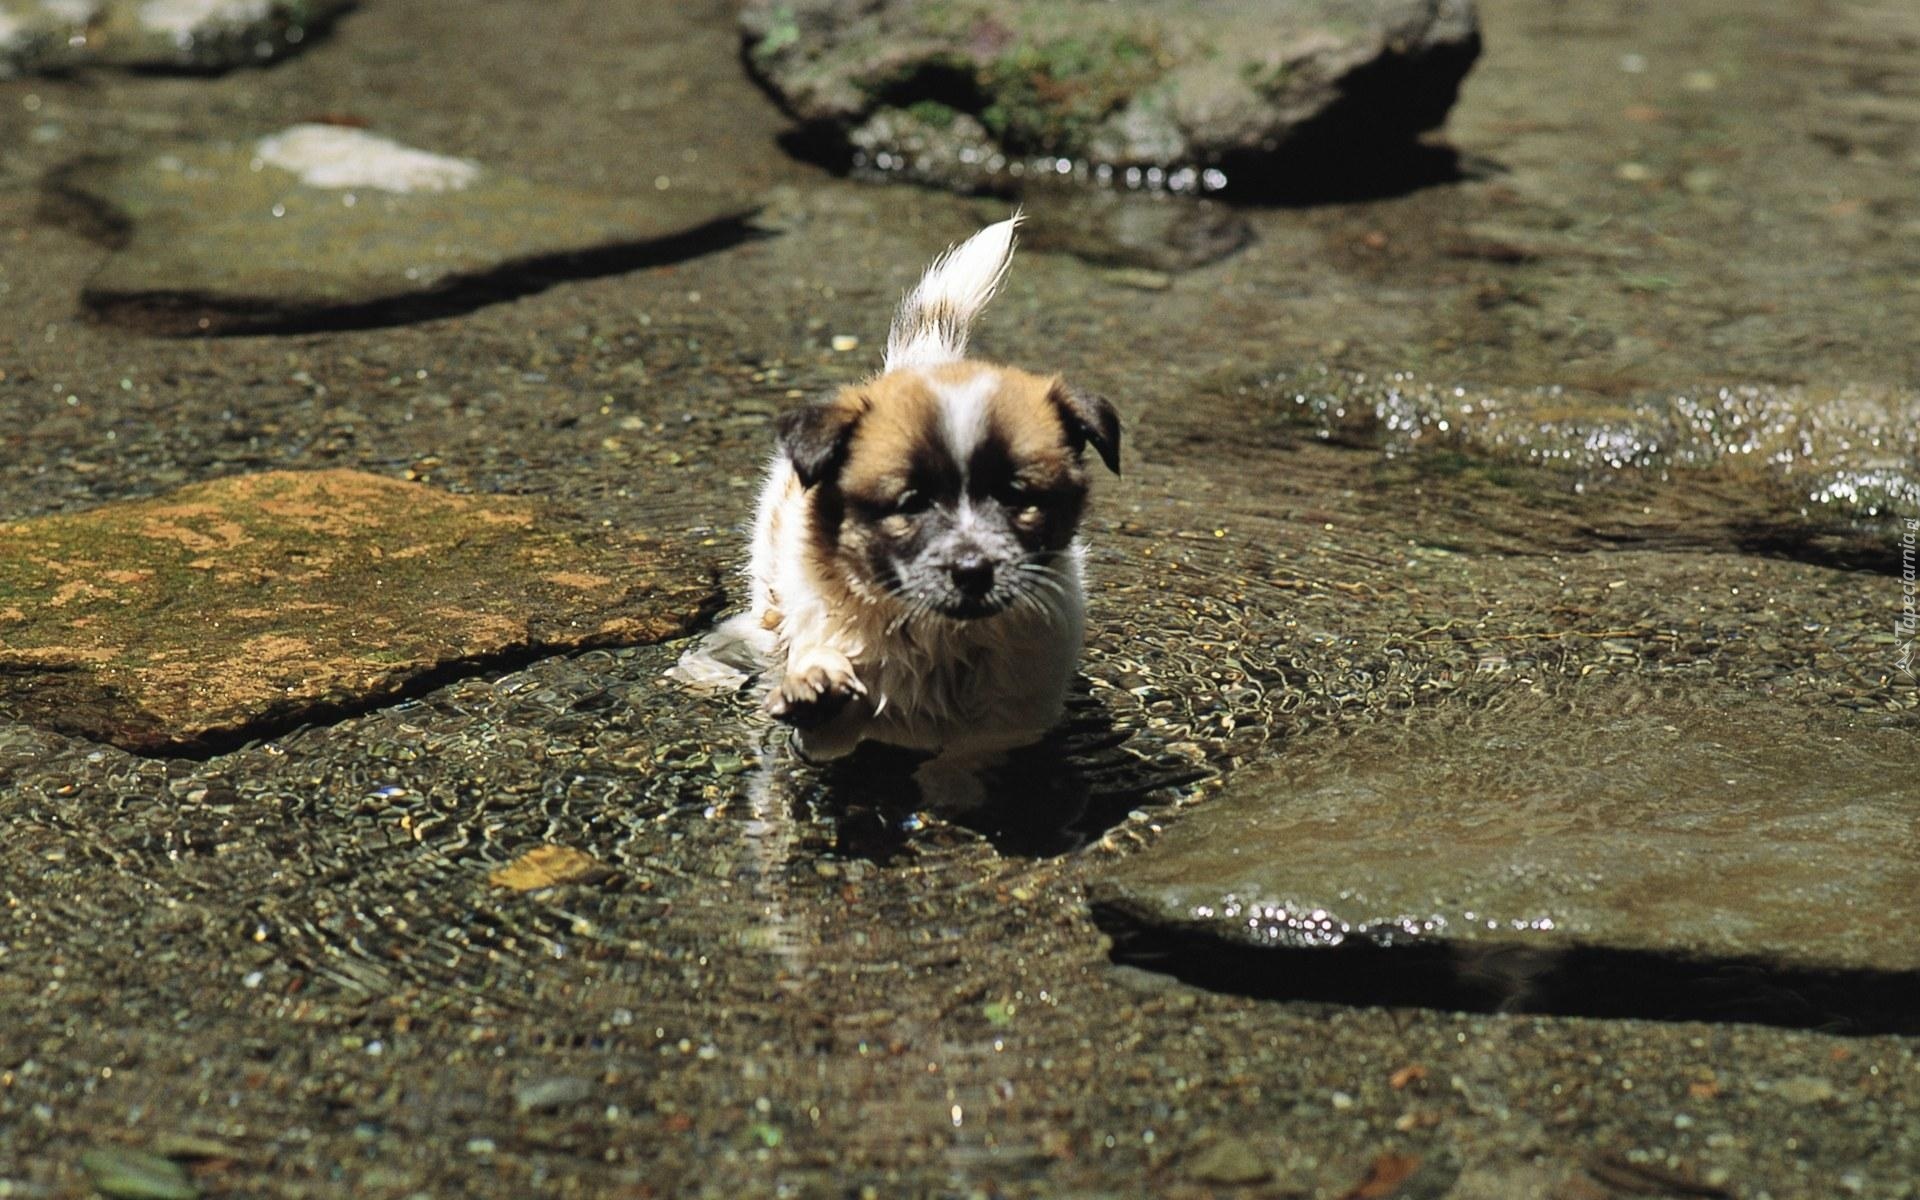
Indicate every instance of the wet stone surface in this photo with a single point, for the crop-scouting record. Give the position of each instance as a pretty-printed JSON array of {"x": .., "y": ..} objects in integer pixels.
[
  {"x": 1561, "y": 828},
  {"x": 202, "y": 617},
  {"x": 980, "y": 93},
  {"x": 1829, "y": 472},
  {"x": 319, "y": 225},
  {"x": 158, "y": 35},
  {"x": 1154, "y": 233}
]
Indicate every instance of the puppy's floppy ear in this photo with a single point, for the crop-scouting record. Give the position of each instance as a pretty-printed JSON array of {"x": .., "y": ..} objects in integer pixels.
[
  {"x": 814, "y": 438},
  {"x": 1090, "y": 419}
]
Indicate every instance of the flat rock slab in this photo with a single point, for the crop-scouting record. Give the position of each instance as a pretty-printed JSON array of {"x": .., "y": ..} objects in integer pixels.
[
  {"x": 1839, "y": 461},
  {"x": 226, "y": 610},
  {"x": 1134, "y": 92},
  {"x": 319, "y": 226},
  {"x": 42, "y": 36},
  {"x": 1685, "y": 828}
]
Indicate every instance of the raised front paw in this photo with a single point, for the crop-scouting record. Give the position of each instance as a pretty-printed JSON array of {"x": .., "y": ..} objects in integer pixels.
[{"x": 809, "y": 697}]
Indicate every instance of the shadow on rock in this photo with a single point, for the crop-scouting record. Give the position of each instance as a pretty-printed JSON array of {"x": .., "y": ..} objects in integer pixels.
[
  {"x": 185, "y": 314},
  {"x": 319, "y": 227},
  {"x": 1583, "y": 981},
  {"x": 1325, "y": 169},
  {"x": 1332, "y": 171}
]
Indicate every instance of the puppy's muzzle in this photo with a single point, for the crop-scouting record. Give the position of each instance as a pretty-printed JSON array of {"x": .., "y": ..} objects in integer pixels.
[
  {"x": 972, "y": 586},
  {"x": 972, "y": 576}
]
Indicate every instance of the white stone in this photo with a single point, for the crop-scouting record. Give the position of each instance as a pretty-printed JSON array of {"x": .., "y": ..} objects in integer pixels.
[
  {"x": 73, "y": 12},
  {"x": 184, "y": 18},
  {"x": 332, "y": 156}
]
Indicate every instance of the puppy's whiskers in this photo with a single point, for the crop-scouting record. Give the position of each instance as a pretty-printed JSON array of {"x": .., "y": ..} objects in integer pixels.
[{"x": 1042, "y": 585}]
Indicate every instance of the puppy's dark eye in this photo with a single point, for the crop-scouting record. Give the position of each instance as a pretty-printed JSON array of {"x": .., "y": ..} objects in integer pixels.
[
  {"x": 1016, "y": 494},
  {"x": 909, "y": 502}
]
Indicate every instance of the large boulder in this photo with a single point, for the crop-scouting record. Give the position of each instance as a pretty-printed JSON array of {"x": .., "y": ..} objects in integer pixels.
[{"x": 1135, "y": 92}]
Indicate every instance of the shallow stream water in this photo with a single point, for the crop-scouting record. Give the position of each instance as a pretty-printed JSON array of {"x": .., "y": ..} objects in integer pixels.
[{"x": 1400, "y": 475}]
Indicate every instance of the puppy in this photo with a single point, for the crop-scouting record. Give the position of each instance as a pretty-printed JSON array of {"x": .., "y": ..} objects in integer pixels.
[{"x": 916, "y": 572}]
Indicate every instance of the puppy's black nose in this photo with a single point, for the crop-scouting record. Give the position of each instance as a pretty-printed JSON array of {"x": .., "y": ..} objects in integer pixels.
[{"x": 972, "y": 575}]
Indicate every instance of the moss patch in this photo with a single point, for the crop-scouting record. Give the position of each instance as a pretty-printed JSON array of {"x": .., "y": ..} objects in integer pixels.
[
  {"x": 203, "y": 616},
  {"x": 1048, "y": 96}
]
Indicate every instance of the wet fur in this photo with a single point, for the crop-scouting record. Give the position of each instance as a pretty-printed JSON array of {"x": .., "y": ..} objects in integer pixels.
[{"x": 886, "y": 512}]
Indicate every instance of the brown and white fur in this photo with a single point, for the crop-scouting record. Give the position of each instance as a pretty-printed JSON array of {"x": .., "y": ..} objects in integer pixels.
[{"x": 916, "y": 574}]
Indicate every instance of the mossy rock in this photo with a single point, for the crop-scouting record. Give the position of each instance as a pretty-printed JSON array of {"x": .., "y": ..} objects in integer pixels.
[
  {"x": 158, "y": 35},
  {"x": 1193, "y": 96},
  {"x": 226, "y": 610}
]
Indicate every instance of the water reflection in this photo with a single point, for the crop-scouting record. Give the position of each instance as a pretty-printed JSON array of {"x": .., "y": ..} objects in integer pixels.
[{"x": 1087, "y": 778}]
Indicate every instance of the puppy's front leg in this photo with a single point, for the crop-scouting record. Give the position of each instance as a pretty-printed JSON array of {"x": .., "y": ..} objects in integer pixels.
[{"x": 819, "y": 695}]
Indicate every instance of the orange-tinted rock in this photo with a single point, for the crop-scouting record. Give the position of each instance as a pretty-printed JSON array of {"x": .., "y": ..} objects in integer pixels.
[
  {"x": 224, "y": 610},
  {"x": 549, "y": 866}
]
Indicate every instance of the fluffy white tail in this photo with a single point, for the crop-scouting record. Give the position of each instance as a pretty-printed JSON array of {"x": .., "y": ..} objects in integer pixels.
[{"x": 931, "y": 326}]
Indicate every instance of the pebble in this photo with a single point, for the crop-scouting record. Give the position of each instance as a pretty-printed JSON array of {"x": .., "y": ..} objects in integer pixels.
[
  {"x": 1230, "y": 1161},
  {"x": 548, "y": 866},
  {"x": 1140, "y": 279},
  {"x": 330, "y": 156},
  {"x": 137, "y": 1175},
  {"x": 843, "y": 342},
  {"x": 1804, "y": 1089},
  {"x": 546, "y": 1095}
]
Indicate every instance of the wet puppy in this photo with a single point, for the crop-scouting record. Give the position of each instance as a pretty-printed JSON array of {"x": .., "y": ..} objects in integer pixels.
[{"x": 915, "y": 570}]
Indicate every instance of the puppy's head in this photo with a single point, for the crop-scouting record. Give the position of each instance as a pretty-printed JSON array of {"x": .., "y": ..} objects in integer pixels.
[{"x": 950, "y": 490}]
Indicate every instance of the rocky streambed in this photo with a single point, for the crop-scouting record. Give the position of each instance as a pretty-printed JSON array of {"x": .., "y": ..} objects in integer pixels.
[{"x": 1494, "y": 773}]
